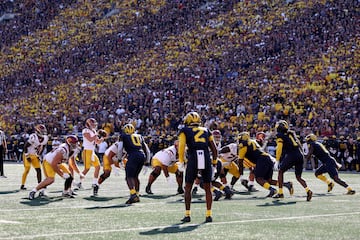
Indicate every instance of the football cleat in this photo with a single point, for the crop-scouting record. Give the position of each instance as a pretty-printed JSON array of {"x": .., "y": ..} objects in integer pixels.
[
  {"x": 218, "y": 195},
  {"x": 186, "y": 219},
  {"x": 350, "y": 192},
  {"x": 95, "y": 190},
  {"x": 251, "y": 188},
  {"x": 72, "y": 192},
  {"x": 148, "y": 190},
  {"x": 42, "y": 194},
  {"x": 272, "y": 192},
  {"x": 290, "y": 187},
  {"x": 133, "y": 199},
  {"x": 245, "y": 183},
  {"x": 309, "y": 195},
  {"x": 228, "y": 192},
  {"x": 79, "y": 185},
  {"x": 22, "y": 187},
  {"x": 194, "y": 191},
  {"x": 180, "y": 190},
  {"x": 67, "y": 195},
  {"x": 32, "y": 195},
  {"x": 208, "y": 219},
  {"x": 330, "y": 186},
  {"x": 278, "y": 196}
]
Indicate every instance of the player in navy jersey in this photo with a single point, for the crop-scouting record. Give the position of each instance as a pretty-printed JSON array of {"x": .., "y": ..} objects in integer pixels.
[
  {"x": 138, "y": 154},
  {"x": 198, "y": 140},
  {"x": 251, "y": 151},
  {"x": 329, "y": 164},
  {"x": 289, "y": 154}
]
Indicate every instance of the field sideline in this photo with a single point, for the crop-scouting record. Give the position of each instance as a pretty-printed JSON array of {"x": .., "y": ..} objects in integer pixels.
[{"x": 247, "y": 216}]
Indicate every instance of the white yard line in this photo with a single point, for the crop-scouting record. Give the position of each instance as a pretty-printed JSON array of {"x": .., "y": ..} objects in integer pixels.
[{"x": 180, "y": 226}]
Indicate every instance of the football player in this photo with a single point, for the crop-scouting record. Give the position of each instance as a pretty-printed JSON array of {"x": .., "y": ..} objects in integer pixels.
[
  {"x": 90, "y": 139},
  {"x": 33, "y": 148},
  {"x": 329, "y": 164},
  {"x": 289, "y": 154},
  {"x": 112, "y": 156},
  {"x": 55, "y": 163},
  {"x": 166, "y": 160},
  {"x": 217, "y": 140},
  {"x": 198, "y": 141},
  {"x": 138, "y": 154},
  {"x": 262, "y": 164}
]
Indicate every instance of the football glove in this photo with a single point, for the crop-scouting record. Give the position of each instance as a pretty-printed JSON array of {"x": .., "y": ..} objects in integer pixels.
[{"x": 181, "y": 166}]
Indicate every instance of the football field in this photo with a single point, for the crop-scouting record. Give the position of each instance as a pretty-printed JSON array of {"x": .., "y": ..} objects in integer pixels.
[{"x": 333, "y": 215}]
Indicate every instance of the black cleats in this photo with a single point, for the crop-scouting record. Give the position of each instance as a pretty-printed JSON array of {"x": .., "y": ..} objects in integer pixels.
[
  {"x": 148, "y": 190},
  {"x": 133, "y": 199},
  {"x": 208, "y": 219},
  {"x": 32, "y": 195},
  {"x": 279, "y": 196},
  {"x": 272, "y": 192},
  {"x": 180, "y": 190},
  {"x": 95, "y": 190},
  {"x": 218, "y": 195},
  {"x": 309, "y": 195},
  {"x": 186, "y": 219}
]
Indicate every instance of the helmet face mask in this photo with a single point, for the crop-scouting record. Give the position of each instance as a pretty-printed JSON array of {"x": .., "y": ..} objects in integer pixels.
[
  {"x": 40, "y": 130},
  {"x": 192, "y": 118},
  {"x": 128, "y": 129},
  {"x": 217, "y": 136},
  {"x": 91, "y": 123}
]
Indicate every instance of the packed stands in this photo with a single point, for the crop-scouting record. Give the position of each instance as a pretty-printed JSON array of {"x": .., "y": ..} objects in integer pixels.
[{"x": 242, "y": 64}]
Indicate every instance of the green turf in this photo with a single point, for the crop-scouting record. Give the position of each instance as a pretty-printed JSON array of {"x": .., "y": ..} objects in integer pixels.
[{"x": 247, "y": 216}]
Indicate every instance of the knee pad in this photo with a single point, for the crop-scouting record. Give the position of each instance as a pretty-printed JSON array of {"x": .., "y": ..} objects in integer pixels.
[{"x": 68, "y": 182}]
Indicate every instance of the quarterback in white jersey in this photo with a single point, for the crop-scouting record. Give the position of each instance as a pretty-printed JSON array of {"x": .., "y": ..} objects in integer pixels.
[
  {"x": 55, "y": 162},
  {"x": 111, "y": 158},
  {"x": 90, "y": 139},
  {"x": 32, "y": 152},
  {"x": 166, "y": 160}
]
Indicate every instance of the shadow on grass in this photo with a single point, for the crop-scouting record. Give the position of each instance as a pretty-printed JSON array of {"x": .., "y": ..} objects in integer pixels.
[
  {"x": 153, "y": 196},
  {"x": 122, "y": 205},
  {"x": 175, "y": 228},
  {"x": 276, "y": 203},
  {"x": 40, "y": 201},
  {"x": 194, "y": 200},
  {"x": 100, "y": 199},
  {"x": 9, "y": 192}
]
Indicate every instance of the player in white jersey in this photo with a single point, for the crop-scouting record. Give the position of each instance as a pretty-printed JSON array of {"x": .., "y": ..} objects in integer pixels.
[
  {"x": 32, "y": 152},
  {"x": 166, "y": 160},
  {"x": 90, "y": 139},
  {"x": 55, "y": 162},
  {"x": 112, "y": 156}
]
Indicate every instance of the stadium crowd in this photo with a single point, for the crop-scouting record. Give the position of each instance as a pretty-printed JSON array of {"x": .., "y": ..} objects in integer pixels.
[{"x": 241, "y": 64}]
